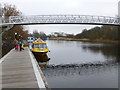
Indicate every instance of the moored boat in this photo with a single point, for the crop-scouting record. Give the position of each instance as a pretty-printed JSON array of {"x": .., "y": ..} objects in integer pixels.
[{"x": 40, "y": 49}]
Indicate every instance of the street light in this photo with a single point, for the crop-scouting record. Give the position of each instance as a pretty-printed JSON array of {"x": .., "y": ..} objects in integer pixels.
[
  {"x": 15, "y": 33},
  {"x": 16, "y": 36},
  {"x": 19, "y": 37}
]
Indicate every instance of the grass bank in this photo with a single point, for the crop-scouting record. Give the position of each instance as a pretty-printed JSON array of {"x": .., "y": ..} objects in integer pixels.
[{"x": 86, "y": 40}]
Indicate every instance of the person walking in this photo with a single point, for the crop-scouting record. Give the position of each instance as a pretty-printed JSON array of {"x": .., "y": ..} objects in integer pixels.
[
  {"x": 20, "y": 45},
  {"x": 16, "y": 44}
]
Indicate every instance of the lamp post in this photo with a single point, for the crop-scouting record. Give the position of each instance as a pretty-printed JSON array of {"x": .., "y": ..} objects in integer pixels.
[
  {"x": 19, "y": 37},
  {"x": 16, "y": 36}
]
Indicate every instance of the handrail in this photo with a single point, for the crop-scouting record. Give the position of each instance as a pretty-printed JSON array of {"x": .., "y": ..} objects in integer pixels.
[{"x": 62, "y": 19}]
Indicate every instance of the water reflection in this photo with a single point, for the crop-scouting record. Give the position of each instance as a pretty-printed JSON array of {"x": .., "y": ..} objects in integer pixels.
[
  {"x": 76, "y": 64},
  {"x": 67, "y": 52},
  {"x": 42, "y": 59},
  {"x": 108, "y": 51},
  {"x": 43, "y": 64}
]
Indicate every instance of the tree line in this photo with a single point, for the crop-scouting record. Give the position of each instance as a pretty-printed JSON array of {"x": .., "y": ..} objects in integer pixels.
[
  {"x": 37, "y": 34},
  {"x": 103, "y": 33}
]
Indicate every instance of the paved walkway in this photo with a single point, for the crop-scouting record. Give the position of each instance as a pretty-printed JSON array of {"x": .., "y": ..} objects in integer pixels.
[{"x": 19, "y": 71}]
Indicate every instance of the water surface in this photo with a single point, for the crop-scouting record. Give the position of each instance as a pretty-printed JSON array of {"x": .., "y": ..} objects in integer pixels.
[{"x": 76, "y": 64}]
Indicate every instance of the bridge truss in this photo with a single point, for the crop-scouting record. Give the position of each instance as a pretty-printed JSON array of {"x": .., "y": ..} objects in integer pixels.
[{"x": 62, "y": 19}]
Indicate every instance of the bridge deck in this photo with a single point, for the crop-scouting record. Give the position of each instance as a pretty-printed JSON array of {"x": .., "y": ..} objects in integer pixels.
[{"x": 18, "y": 71}]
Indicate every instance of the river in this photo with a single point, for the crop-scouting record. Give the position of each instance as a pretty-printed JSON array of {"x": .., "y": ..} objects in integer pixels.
[{"x": 75, "y": 64}]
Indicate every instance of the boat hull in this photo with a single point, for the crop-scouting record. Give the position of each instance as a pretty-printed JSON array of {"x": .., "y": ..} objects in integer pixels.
[{"x": 41, "y": 56}]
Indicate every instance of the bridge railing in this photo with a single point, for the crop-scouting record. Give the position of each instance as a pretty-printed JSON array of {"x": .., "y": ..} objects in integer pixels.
[{"x": 63, "y": 19}]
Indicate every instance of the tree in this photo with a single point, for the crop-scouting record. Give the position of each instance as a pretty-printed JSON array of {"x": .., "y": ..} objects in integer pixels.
[
  {"x": 36, "y": 34},
  {"x": 43, "y": 36},
  {"x": 10, "y": 10},
  {"x": 103, "y": 33},
  {"x": 8, "y": 37}
]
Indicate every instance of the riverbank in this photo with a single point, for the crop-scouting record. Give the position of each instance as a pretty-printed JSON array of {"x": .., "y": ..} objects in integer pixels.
[{"x": 86, "y": 40}]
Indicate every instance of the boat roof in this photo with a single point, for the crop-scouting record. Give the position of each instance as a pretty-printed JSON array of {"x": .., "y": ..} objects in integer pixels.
[{"x": 39, "y": 41}]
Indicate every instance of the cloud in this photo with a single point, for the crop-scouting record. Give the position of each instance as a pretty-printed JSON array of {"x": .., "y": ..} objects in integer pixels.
[{"x": 83, "y": 7}]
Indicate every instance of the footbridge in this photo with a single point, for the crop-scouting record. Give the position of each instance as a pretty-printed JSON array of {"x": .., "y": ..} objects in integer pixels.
[{"x": 61, "y": 19}]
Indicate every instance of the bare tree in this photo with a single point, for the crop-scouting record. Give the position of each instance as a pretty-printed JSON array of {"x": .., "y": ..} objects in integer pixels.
[
  {"x": 11, "y": 10},
  {"x": 8, "y": 37}
]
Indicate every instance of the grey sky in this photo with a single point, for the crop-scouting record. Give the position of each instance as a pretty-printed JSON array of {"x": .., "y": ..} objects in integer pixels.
[{"x": 82, "y": 7}]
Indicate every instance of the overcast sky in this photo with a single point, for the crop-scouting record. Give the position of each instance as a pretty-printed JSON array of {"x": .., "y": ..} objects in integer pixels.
[{"x": 81, "y": 7}]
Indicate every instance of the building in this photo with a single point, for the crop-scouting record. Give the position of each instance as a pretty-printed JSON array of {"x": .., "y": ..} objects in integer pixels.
[{"x": 58, "y": 34}]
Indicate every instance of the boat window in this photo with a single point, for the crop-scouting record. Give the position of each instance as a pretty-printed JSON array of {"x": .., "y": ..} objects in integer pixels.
[
  {"x": 32, "y": 45},
  {"x": 40, "y": 46},
  {"x": 36, "y": 46}
]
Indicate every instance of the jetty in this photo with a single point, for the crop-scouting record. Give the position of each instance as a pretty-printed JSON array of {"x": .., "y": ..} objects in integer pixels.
[{"x": 21, "y": 70}]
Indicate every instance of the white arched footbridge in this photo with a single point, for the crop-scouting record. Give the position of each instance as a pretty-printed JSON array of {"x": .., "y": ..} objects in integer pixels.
[{"x": 61, "y": 19}]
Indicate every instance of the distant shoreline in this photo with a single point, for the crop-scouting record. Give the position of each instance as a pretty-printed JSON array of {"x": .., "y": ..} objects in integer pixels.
[{"x": 86, "y": 40}]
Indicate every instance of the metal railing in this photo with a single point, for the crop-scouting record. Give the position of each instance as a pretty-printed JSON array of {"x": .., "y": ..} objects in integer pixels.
[{"x": 62, "y": 19}]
